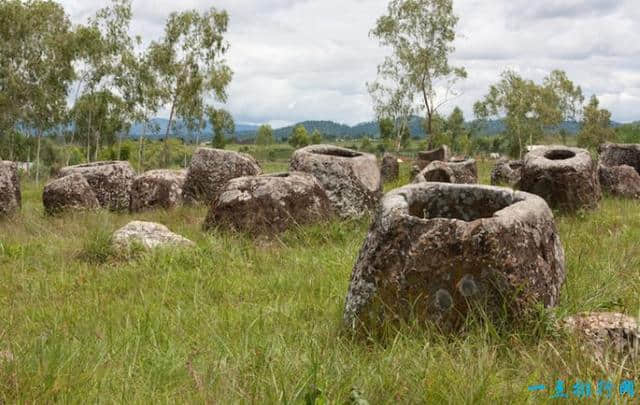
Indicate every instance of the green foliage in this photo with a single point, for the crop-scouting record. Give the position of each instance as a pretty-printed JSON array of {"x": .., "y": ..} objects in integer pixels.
[
  {"x": 529, "y": 108},
  {"x": 223, "y": 126},
  {"x": 189, "y": 63},
  {"x": 596, "y": 125},
  {"x": 421, "y": 35},
  {"x": 316, "y": 137},
  {"x": 299, "y": 137},
  {"x": 265, "y": 135},
  {"x": 628, "y": 133}
]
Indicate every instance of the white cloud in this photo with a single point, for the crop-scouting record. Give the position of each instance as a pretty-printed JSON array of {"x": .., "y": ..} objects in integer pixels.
[{"x": 310, "y": 59}]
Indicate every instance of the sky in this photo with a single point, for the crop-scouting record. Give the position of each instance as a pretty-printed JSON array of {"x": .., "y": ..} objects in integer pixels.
[{"x": 296, "y": 60}]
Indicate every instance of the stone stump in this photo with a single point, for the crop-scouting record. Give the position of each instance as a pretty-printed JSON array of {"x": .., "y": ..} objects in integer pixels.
[
  {"x": 110, "y": 181},
  {"x": 157, "y": 189},
  {"x": 69, "y": 193},
  {"x": 621, "y": 180},
  {"x": 10, "y": 196},
  {"x": 507, "y": 172},
  {"x": 269, "y": 204},
  {"x": 351, "y": 179},
  {"x": 567, "y": 178},
  {"x": 602, "y": 332},
  {"x": 211, "y": 169},
  {"x": 438, "y": 250},
  {"x": 390, "y": 168},
  {"x": 461, "y": 172},
  {"x": 442, "y": 154}
]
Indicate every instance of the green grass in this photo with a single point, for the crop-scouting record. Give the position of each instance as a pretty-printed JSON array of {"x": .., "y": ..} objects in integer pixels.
[{"x": 244, "y": 321}]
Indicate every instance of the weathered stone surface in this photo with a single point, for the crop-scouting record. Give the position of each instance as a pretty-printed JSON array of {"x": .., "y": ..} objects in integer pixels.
[
  {"x": 351, "y": 179},
  {"x": 603, "y": 331},
  {"x": 622, "y": 180},
  {"x": 269, "y": 204},
  {"x": 111, "y": 181},
  {"x": 616, "y": 154},
  {"x": 211, "y": 169},
  {"x": 71, "y": 192},
  {"x": 157, "y": 189},
  {"x": 436, "y": 250},
  {"x": 149, "y": 235},
  {"x": 567, "y": 178},
  {"x": 10, "y": 196},
  {"x": 462, "y": 172},
  {"x": 507, "y": 172},
  {"x": 423, "y": 159},
  {"x": 390, "y": 168}
]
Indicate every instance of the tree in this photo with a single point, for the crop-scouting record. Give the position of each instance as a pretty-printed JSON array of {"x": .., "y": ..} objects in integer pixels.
[
  {"x": 393, "y": 100},
  {"x": 596, "y": 125},
  {"x": 316, "y": 137},
  {"x": 420, "y": 34},
  {"x": 299, "y": 137},
  {"x": 386, "y": 129},
  {"x": 528, "y": 108},
  {"x": 189, "y": 61},
  {"x": 223, "y": 126},
  {"x": 36, "y": 55},
  {"x": 265, "y": 135}
]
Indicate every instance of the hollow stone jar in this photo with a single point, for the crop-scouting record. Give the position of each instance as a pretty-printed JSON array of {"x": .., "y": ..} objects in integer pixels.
[{"x": 436, "y": 250}]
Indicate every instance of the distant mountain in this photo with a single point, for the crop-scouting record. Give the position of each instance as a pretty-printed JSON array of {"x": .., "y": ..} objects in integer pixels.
[
  {"x": 158, "y": 127},
  {"x": 370, "y": 129}
]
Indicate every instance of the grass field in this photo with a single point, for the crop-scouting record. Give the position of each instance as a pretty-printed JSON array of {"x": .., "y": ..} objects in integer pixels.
[{"x": 243, "y": 321}]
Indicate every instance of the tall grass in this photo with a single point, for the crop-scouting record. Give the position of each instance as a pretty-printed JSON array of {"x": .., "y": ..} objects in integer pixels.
[{"x": 238, "y": 320}]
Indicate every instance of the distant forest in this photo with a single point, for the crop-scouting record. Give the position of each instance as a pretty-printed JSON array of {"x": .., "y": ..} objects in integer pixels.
[{"x": 332, "y": 129}]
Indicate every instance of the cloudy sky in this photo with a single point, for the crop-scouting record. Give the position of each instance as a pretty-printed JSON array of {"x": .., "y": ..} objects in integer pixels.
[{"x": 298, "y": 60}]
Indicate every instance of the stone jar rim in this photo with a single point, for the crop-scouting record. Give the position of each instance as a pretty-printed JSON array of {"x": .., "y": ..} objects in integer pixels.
[{"x": 505, "y": 204}]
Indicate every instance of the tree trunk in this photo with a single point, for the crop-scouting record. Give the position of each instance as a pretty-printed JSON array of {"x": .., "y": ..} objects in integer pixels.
[
  {"x": 140, "y": 147},
  {"x": 166, "y": 135},
  {"x": 38, "y": 157},
  {"x": 89, "y": 138}
]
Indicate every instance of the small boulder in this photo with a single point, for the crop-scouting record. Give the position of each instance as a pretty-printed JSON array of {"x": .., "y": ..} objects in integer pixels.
[
  {"x": 157, "y": 189},
  {"x": 211, "y": 169},
  {"x": 622, "y": 180},
  {"x": 150, "y": 235},
  {"x": 71, "y": 192},
  {"x": 567, "y": 178},
  {"x": 601, "y": 331},
  {"x": 507, "y": 172},
  {"x": 351, "y": 179},
  {"x": 10, "y": 196},
  {"x": 436, "y": 251},
  {"x": 461, "y": 172},
  {"x": 269, "y": 204},
  {"x": 390, "y": 168},
  {"x": 111, "y": 181}
]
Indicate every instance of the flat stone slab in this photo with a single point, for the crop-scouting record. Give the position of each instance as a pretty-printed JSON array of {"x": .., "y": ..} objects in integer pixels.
[
  {"x": 436, "y": 250},
  {"x": 603, "y": 331},
  {"x": 148, "y": 234}
]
